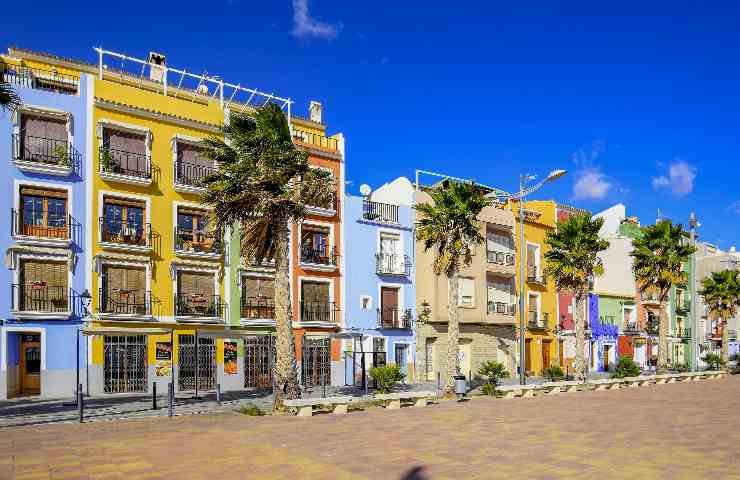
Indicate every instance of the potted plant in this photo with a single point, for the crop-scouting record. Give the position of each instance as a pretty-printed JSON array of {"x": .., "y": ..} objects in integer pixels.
[
  {"x": 493, "y": 372},
  {"x": 386, "y": 376}
]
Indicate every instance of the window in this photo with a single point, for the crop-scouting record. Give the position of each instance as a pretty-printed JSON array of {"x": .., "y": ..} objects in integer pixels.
[
  {"x": 124, "y": 290},
  {"x": 123, "y": 221},
  {"x": 43, "y": 213},
  {"x": 378, "y": 344},
  {"x": 124, "y": 152},
  {"x": 497, "y": 241},
  {"x": 315, "y": 302},
  {"x": 258, "y": 296},
  {"x": 191, "y": 166},
  {"x": 315, "y": 245},
  {"x": 366, "y": 302},
  {"x": 533, "y": 260},
  {"x": 196, "y": 295},
  {"x": 42, "y": 286},
  {"x": 466, "y": 292},
  {"x": 43, "y": 138},
  {"x": 192, "y": 232}
]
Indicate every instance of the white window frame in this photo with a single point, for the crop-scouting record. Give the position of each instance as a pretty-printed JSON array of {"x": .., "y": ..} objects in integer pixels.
[
  {"x": 17, "y": 184},
  {"x": 538, "y": 296},
  {"x": 183, "y": 267},
  {"x": 123, "y": 196},
  {"x": 103, "y": 262},
  {"x": 460, "y": 303},
  {"x": 537, "y": 260},
  {"x": 331, "y": 244},
  {"x": 299, "y": 296}
]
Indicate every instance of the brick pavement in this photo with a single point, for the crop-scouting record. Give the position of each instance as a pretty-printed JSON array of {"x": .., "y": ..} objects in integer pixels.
[{"x": 685, "y": 430}]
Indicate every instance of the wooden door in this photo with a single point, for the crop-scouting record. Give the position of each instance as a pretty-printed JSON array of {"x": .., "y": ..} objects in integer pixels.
[
  {"x": 528, "y": 355},
  {"x": 30, "y": 365},
  {"x": 545, "y": 355},
  {"x": 605, "y": 360},
  {"x": 561, "y": 354},
  {"x": 389, "y": 306}
]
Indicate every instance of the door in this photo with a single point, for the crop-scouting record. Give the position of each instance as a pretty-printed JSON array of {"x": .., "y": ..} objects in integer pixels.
[
  {"x": 561, "y": 355},
  {"x": 401, "y": 358},
  {"x": 30, "y": 371},
  {"x": 429, "y": 360},
  {"x": 200, "y": 364},
  {"x": 605, "y": 360},
  {"x": 465, "y": 358},
  {"x": 259, "y": 357},
  {"x": 125, "y": 363},
  {"x": 316, "y": 362},
  {"x": 528, "y": 355},
  {"x": 545, "y": 355},
  {"x": 389, "y": 307}
]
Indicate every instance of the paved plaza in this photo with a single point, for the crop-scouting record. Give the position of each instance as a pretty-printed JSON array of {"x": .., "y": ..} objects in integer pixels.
[{"x": 684, "y": 430}]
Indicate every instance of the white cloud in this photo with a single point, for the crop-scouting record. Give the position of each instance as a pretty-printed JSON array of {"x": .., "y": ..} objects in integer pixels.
[
  {"x": 679, "y": 180},
  {"x": 304, "y": 26},
  {"x": 591, "y": 184}
]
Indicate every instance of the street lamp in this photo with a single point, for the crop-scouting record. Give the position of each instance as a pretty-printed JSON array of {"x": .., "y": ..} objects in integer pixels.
[
  {"x": 693, "y": 224},
  {"x": 524, "y": 190}
]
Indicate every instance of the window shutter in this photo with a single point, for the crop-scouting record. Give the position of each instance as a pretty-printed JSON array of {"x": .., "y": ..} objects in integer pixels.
[
  {"x": 250, "y": 288},
  {"x": 466, "y": 291}
]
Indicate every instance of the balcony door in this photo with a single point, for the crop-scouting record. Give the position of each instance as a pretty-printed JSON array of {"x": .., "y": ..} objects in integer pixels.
[
  {"x": 43, "y": 286},
  {"x": 315, "y": 302},
  {"x": 123, "y": 221},
  {"x": 258, "y": 296},
  {"x": 196, "y": 294},
  {"x": 500, "y": 294},
  {"x": 43, "y": 138},
  {"x": 191, "y": 165},
  {"x": 534, "y": 311},
  {"x": 389, "y": 307},
  {"x": 390, "y": 253},
  {"x": 192, "y": 231},
  {"x": 315, "y": 244},
  {"x": 43, "y": 213},
  {"x": 125, "y": 153},
  {"x": 124, "y": 290},
  {"x": 533, "y": 260}
]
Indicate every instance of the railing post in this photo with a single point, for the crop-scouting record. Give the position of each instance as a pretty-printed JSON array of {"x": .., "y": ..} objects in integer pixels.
[
  {"x": 80, "y": 403},
  {"x": 218, "y": 394},
  {"x": 171, "y": 399},
  {"x": 154, "y": 395}
]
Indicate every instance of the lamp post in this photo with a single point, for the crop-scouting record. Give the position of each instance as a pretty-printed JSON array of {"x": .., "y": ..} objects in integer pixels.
[
  {"x": 693, "y": 223},
  {"x": 524, "y": 190},
  {"x": 85, "y": 299}
]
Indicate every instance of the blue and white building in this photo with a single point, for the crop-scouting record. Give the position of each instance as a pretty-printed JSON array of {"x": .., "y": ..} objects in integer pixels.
[
  {"x": 379, "y": 280},
  {"x": 43, "y": 150}
]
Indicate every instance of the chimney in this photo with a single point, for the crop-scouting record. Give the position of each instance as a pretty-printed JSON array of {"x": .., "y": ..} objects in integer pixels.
[
  {"x": 157, "y": 62},
  {"x": 315, "y": 110}
]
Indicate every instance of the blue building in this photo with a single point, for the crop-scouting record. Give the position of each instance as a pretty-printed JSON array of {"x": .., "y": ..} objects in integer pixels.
[
  {"x": 43, "y": 152},
  {"x": 604, "y": 339},
  {"x": 379, "y": 280}
]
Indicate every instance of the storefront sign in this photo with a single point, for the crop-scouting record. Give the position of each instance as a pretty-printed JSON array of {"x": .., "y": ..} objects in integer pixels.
[
  {"x": 164, "y": 359},
  {"x": 230, "y": 350}
]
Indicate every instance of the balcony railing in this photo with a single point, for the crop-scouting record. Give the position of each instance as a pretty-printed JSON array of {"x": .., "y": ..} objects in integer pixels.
[
  {"x": 196, "y": 241},
  {"x": 607, "y": 319},
  {"x": 535, "y": 275},
  {"x": 39, "y": 79},
  {"x": 128, "y": 164},
  {"x": 538, "y": 319},
  {"x": 39, "y": 297},
  {"x": 56, "y": 228},
  {"x": 395, "y": 318},
  {"x": 328, "y": 203},
  {"x": 124, "y": 233},
  {"x": 258, "y": 308},
  {"x": 126, "y": 302},
  {"x": 501, "y": 308},
  {"x": 315, "y": 139},
  {"x": 683, "y": 305},
  {"x": 318, "y": 311},
  {"x": 48, "y": 151},
  {"x": 392, "y": 264},
  {"x": 379, "y": 212},
  {"x": 198, "y": 305},
  {"x": 649, "y": 297},
  {"x": 318, "y": 256},
  {"x": 684, "y": 332},
  {"x": 191, "y": 174},
  {"x": 632, "y": 328},
  {"x": 500, "y": 258}
]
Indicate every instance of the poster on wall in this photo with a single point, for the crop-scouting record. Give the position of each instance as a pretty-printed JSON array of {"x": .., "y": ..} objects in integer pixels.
[
  {"x": 230, "y": 349},
  {"x": 164, "y": 359}
]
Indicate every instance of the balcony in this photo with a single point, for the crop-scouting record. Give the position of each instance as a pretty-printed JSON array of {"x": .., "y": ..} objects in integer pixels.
[
  {"x": 197, "y": 243},
  {"x": 39, "y": 300},
  {"x": 189, "y": 176},
  {"x": 649, "y": 298},
  {"x": 322, "y": 258},
  {"x": 683, "y": 332},
  {"x": 315, "y": 140},
  {"x": 608, "y": 319},
  {"x": 117, "y": 234},
  {"x": 379, "y": 212},
  {"x": 326, "y": 208},
  {"x": 56, "y": 232},
  {"x": 125, "y": 167},
  {"x": 318, "y": 312},
  {"x": 44, "y": 155},
  {"x": 257, "y": 308},
  {"x": 395, "y": 318},
  {"x": 500, "y": 262},
  {"x": 683, "y": 306},
  {"x": 120, "y": 303},
  {"x": 536, "y": 276},
  {"x": 39, "y": 79},
  {"x": 391, "y": 264},
  {"x": 501, "y": 313},
  {"x": 632, "y": 329},
  {"x": 198, "y": 306},
  {"x": 538, "y": 320},
  {"x": 732, "y": 334}
]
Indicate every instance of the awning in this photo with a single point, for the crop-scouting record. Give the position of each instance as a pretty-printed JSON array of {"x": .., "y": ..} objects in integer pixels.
[
  {"x": 124, "y": 331},
  {"x": 10, "y": 258}
]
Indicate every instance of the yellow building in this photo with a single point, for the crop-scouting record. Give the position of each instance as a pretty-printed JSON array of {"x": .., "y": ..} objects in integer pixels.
[{"x": 540, "y": 293}]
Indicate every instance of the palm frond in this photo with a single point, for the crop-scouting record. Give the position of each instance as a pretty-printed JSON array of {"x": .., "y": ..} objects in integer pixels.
[{"x": 9, "y": 99}]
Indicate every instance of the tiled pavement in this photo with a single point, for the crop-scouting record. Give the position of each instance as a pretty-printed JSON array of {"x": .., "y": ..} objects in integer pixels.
[{"x": 677, "y": 431}]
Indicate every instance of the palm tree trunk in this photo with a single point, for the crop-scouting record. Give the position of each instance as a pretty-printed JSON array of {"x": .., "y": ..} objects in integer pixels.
[
  {"x": 663, "y": 336},
  {"x": 286, "y": 374},
  {"x": 580, "y": 321},
  {"x": 453, "y": 332},
  {"x": 725, "y": 340}
]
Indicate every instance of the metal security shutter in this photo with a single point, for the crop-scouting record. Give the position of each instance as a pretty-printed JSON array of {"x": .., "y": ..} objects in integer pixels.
[
  {"x": 125, "y": 363},
  {"x": 316, "y": 361},
  {"x": 204, "y": 364},
  {"x": 195, "y": 282},
  {"x": 259, "y": 357}
]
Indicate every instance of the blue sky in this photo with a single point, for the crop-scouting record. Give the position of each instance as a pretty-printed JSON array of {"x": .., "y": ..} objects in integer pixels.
[{"x": 638, "y": 101}]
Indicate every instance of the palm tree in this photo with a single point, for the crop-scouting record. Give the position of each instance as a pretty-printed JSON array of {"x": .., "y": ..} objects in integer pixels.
[
  {"x": 9, "y": 100},
  {"x": 721, "y": 293},
  {"x": 450, "y": 226},
  {"x": 573, "y": 261},
  {"x": 659, "y": 255},
  {"x": 263, "y": 184}
]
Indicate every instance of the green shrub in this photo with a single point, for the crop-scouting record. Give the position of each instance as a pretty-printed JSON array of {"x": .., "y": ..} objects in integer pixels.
[
  {"x": 493, "y": 372},
  {"x": 682, "y": 367},
  {"x": 488, "y": 389},
  {"x": 714, "y": 361},
  {"x": 385, "y": 377},
  {"x": 626, "y": 367},
  {"x": 554, "y": 373},
  {"x": 251, "y": 409}
]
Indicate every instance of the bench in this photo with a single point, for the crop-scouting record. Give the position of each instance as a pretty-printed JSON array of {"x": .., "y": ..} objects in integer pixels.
[
  {"x": 554, "y": 388},
  {"x": 305, "y": 405},
  {"x": 665, "y": 378},
  {"x": 635, "y": 382},
  {"x": 511, "y": 391},
  {"x": 394, "y": 399},
  {"x": 712, "y": 374},
  {"x": 606, "y": 384}
]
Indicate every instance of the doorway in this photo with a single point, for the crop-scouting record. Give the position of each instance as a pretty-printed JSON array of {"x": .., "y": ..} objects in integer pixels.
[
  {"x": 528, "y": 355},
  {"x": 401, "y": 357},
  {"x": 30, "y": 364},
  {"x": 545, "y": 355},
  {"x": 607, "y": 354}
]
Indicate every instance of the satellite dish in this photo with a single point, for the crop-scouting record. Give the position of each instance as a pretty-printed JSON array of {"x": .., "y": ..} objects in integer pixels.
[{"x": 365, "y": 189}]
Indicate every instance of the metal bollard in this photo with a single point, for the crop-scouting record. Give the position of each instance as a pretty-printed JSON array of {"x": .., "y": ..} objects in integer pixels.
[
  {"x": 218, "y": 393},
  {"x": 154, "y": 395},
  {"x": 439, "y": 383},
  {"x": 323, "y": 384},
  {"x": 80, "y": 403},
  {"x": 171, "y": 399}
]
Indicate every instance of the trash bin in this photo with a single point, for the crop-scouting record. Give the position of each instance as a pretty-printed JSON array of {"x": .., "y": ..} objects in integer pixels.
[{"x": 461, "y": 386}]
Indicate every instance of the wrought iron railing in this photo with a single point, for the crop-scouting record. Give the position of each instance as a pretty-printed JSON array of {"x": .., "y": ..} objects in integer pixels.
[
  {"x": 317, "y": 311},
  {"x": 258, "y": 308},
  {"x": 395, "y": 318},
  {"x": 328, "y": 203},
  {"x": 48, "y": 151},
  {"x": 392, "y": 264},
  {"x": 538, "y": 319},
  {"x": 126, "y": 302},
  {"x": 198, "y": 305},
  {"x": 649, "y": 297},
  {"x": 535, "y": 275},
  {"x": 39, "y": 79},
  {"x": 126, "y": 233},
  {"x": 57, "y": 228},
  {"x": 124, "y": 163},
  {"x": 315, "y": 139},
  {"x": 39, "y": 297},
  {"x": 501, "y": 308},
  {"x": 318, "y": 256},
  {"x": 500, "y": 258},
  {"x": 197, "y": 241},
  {"x": 683, "y": 305},
  {"x": 191, "y": 174},
  {"x": 607, "y": 319},
  {"x": 632, "y": 328},
  {"x": 379, "y": 212},
  {"x": 683, "y": 332}
]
